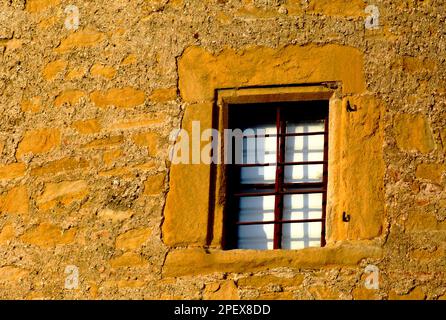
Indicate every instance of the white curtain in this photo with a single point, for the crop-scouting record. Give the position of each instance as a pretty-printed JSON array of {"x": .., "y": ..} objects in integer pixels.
[{"x": 296, "y": 206}]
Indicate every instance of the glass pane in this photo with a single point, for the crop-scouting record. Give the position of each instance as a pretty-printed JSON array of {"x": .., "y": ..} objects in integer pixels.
[
  {"x": 306, "y": 126},
  {"x": 304, "y": 173},
  {"x": 256, "y": 208},
  {"x": 302, "y": 206},
  {"x": 258, "y": 175},
  {"x": 256, "y": 236},
  {"x": 304, "y": 148},
  {"x": 259, "y": 149},
  {"x": 301, "y": 235}
]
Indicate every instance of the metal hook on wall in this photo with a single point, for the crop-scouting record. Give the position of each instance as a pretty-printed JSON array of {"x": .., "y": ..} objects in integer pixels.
[{"x": 350, "y": 108}]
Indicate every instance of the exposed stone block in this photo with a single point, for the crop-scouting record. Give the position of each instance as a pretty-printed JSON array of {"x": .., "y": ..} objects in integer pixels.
[
  {"x": 128, "y": 259},
  {"x": 163, "y": 95},
  {"x": 151, "y": 140},
  {"x": 62, "y": 193},
  {"x": 15, "y": 201},
  {"x": 119, "y": 97},
  {"x": 154, "y": 184},
  {"x": 104, "y": 142},
  {"x": 32, "y": 105},
  {"x": 87, "y": 126},
  {"x": 47, "y": 235},
  {"x": 12, "y": 171},
  {"x": 80, "y": 39},
  {"x": 415, "y": 294},
  {"x": 354, "y": 8},
  {"x": 413, "y": 133},
  {"x": 138, "y": 122},
  {"x": 40, "y": 5},
  {"x": 430, "y": 171},
  {"x": 226, "y": 290},
  {"x": 65, "y": 164},
  {"x": 12, "y": 274},
  {"x": 70, "y": 97},
  {"x": 133, "y": 239},
  {"x": 115, "y": 215},
  {"x": 53, "y": 68},
  {"x": 112, "y": 155},
  {"x": 6, "y": 234},
  {"x": 38, "y": 141},
  {"x": 106, "y": 72}
]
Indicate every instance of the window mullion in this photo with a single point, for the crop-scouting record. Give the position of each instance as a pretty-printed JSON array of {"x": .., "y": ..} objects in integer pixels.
[
  {"x": 324, "y": 182},
  {"x": 280, "y": 159}
]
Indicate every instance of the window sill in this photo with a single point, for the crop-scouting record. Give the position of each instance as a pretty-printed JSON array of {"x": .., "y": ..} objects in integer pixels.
[{"x": 194, "y": 261}]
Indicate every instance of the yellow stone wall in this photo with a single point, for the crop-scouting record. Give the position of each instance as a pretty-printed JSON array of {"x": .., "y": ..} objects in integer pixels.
[{"x": 85, "y": 179}]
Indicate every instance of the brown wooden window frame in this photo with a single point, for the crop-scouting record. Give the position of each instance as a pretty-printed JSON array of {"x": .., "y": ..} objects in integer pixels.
[{"x": 280, "y": 187}]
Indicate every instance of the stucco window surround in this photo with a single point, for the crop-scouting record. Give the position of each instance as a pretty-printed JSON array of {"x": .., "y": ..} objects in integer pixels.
[{"x": 194, "y": 211}]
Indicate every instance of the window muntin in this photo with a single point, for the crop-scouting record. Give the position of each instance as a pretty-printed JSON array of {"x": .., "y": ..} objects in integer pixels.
[{"x": 277, "y": 195}]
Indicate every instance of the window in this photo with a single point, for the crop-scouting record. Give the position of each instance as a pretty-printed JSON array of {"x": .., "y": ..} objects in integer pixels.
[{"x": 277, "y": 178}]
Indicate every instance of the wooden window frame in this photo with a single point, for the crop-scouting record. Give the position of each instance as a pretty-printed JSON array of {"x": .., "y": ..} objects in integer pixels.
[{"x": 229, "y": 225}]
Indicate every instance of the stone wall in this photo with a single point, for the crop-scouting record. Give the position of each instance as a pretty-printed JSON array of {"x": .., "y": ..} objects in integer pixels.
[{"x": 85, "y": 179}]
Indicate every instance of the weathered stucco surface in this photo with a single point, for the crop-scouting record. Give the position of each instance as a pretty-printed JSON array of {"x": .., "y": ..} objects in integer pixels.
[{"x": 84, "y": 134}]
